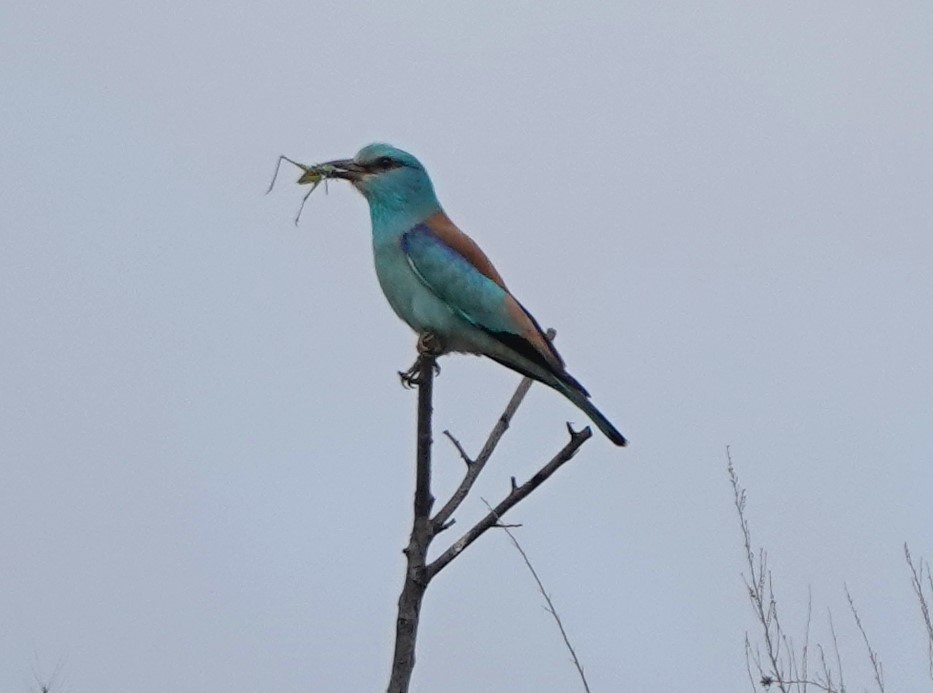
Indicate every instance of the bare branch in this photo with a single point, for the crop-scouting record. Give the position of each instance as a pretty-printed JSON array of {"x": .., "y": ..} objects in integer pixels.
[
  {"x": 832, "y": 630},
  {"x": 577, "y": 438},
  {"x": 474, "y": 467},
  {"x": 806, "y": 639},
  {"x": 803, "y": 683},
  {"x": 827, "y": 672},
  {"x": 778, "y": 665},
  {"x": 760, "y": 590},
  {"x": 551, "y": 609},
  {"x": 916, "y": 578},
  {"x": 55, "y": 682},
  {"x": 423, "y": 498},
  {"x": 422, "y": 532},
  {"x": 456, "y": 444},
  {"x": 419, "y": 572},
  {"x": 748, "y": 662},
  {"x": 872, "y": 655}
]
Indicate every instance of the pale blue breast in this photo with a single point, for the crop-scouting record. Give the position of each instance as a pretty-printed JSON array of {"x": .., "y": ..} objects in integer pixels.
[{"x": 414, "y": 303}]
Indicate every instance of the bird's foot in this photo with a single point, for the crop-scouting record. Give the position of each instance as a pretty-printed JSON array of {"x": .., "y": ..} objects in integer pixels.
[
  {"x": 412, "y": 377},
  {"x": 429, "y": 347},
  {"x": 429, "y": 343}
]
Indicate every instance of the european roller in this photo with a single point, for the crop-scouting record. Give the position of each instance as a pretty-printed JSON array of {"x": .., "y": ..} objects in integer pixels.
[{"x": 438, "y": 280}]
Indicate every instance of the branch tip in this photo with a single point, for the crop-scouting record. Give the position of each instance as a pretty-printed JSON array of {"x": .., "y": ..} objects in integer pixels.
[
  {"x": 515, "y": 496},
  {"x": 456, "y": 443}
]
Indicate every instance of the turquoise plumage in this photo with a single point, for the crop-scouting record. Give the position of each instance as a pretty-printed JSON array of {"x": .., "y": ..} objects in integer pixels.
[{"x": 439, "y": 281}]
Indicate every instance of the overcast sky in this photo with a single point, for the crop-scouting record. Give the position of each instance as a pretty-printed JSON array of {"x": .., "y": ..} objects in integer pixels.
[{"x": 206, "y": 459}]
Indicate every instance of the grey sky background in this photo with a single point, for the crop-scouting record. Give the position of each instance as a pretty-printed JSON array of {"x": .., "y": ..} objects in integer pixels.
[{"x": 206, "y": 459}]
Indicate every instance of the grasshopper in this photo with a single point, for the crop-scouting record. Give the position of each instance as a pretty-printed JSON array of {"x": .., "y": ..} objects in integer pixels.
[{"x": 312, "y": 175}]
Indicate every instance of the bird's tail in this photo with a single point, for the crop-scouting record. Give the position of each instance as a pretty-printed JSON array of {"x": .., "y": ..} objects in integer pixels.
[{"x": 580, "y": 398}]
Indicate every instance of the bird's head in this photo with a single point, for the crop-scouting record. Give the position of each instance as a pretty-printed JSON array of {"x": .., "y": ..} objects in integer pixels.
[{"x": 391, "y": 180}]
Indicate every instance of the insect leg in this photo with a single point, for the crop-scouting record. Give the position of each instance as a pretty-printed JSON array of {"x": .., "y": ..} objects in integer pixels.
[
  {"x": 278, "y": 164},
  {"x": 305, "y": 199}
]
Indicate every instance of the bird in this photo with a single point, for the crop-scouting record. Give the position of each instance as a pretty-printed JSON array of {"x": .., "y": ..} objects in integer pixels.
[{"x": 438, "y": 280}]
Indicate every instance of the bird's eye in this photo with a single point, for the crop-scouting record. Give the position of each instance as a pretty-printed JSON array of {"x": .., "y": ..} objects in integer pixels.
[{"x": 386, "y": 162}]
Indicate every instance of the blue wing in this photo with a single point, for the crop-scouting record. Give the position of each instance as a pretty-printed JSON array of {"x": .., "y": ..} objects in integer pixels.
[
  {"x": 487, "y": 305},
  {"x": 453, "y": 279},
  {"x": 482, "y": 302}
]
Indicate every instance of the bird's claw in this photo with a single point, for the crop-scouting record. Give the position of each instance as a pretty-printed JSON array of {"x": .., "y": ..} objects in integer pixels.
[{"x": 411, "y": 377}]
